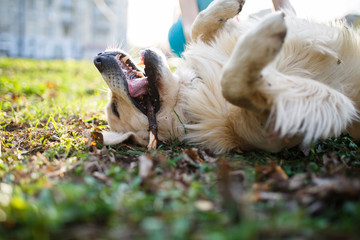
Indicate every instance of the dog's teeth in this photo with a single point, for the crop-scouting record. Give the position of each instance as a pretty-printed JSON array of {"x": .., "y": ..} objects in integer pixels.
[{"x": 124, "y": 59}]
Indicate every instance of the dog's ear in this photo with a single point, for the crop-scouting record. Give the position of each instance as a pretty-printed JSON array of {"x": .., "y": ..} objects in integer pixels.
[{"x": 112, "y": 138}]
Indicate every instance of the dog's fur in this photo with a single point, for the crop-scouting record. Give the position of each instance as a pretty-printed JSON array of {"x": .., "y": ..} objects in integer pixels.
[{"x": 270, "y": 83}]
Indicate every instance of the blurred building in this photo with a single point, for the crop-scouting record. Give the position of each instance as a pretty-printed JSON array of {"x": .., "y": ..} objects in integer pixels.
[{"x": 61, "y": 29}]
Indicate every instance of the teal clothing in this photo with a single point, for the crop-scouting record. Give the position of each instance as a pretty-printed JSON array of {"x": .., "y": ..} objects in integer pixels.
[
  {"x": 176, "y": 33},
  {"x": 202, "y": 4}
]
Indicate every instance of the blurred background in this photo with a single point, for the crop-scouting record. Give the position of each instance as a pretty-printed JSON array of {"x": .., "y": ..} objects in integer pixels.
[{"x": 79, "y": 29}]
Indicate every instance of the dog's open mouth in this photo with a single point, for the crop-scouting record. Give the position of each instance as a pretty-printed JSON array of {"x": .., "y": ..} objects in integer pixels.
[
  {"x": 137, "y": 82},
  {"x": 142, "y": 87}
]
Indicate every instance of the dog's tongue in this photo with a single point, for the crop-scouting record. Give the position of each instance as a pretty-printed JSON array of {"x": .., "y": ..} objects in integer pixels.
[{"x": 137, "y": 86}]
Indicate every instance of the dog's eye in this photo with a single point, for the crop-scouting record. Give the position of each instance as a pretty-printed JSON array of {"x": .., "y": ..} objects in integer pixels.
[{"x": 114, "y": 109}]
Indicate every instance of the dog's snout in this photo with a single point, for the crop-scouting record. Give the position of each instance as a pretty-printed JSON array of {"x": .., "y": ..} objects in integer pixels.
[{"x": 98, "y": 62}]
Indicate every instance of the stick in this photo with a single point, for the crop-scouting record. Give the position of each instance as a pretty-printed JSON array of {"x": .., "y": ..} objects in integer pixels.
[{"x": 153, "y": 128}]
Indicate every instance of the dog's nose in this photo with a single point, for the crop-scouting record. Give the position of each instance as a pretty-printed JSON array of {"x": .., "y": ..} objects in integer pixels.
[{"x": 98, "y": 62}]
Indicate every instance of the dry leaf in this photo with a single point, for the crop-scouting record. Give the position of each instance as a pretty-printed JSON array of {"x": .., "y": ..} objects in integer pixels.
[
  {"x": 97, "y": 137},
  {"x": 145, "y": 166},
  {"x": 204, "y": 205},
  {"x": 272, "y": 171},
  {"x": 194, "y": 155}
]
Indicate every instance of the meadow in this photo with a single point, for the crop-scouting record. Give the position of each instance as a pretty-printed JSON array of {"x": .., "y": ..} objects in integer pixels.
[{"x": 58, "y": 181}]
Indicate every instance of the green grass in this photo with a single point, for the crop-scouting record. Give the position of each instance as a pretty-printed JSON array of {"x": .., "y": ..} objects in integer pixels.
[{"x": 53, "y": 184}]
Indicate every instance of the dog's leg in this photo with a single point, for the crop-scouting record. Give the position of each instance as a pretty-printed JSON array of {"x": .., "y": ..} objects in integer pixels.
[
  {"x": 210, "y": 20},
  {"x": 284, "y": 5},
  {"x": 253, "y": 52},
  {"x": 305, "y": 107},
  {"x": 290, "y": 105}
]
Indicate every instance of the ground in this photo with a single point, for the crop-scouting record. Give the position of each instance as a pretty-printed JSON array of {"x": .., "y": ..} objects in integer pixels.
[{"x": 57, "y": 180}]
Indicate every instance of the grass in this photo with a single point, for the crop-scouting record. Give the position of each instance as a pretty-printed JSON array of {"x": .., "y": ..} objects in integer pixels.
[{"x": 55, "y": 182}]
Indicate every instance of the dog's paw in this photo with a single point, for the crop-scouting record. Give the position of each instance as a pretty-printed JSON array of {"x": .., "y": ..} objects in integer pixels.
[
  {"x": 240, "y": 4},
  {"x": 226, "y": 9},
  {"x": 272, "y": 32},
  {"x": 272, "y": 26},
  {"x": 266, "y": 39}
]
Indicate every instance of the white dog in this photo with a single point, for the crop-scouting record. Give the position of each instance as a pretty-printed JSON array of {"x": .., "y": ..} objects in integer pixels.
[{"x": 269, "y": 84}]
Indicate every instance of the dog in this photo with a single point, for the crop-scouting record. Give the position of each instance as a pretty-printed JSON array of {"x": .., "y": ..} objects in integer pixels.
[{"x": 268, "y": 83}]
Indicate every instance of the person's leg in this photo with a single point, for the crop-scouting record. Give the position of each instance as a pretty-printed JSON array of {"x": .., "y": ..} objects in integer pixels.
[{"x": 177, "y": 38}]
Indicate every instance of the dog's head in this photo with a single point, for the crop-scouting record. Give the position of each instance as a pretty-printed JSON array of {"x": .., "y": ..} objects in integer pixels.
[{"x": 133, "y": 92}]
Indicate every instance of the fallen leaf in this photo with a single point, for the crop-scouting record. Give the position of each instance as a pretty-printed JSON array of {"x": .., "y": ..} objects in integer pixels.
[
  {"x": 97, "y": 137},
  {"x": 272, "y": 171},
  {"x": 204, "y": 205},
  {"x": 193, "y": 153},
  {"x": 145, "y": 166}
]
